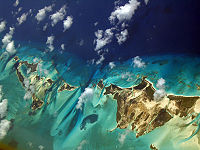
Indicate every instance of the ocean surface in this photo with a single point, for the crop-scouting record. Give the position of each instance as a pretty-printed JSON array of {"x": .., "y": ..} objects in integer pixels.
[
  {"x": 161, "y": 27},
  {"x": 165, "y": 34}
]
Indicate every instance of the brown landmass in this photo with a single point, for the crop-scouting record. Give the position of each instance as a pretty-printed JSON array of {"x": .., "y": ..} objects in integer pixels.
[{"x": 137, "y": 108}]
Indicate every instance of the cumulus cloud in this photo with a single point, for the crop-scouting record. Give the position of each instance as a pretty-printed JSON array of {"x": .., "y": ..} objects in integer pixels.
[
  {"x": 49, "y": 43},
  {"x": 67, "y": 23},
  {"x": 85, "y": 96},
  {"x": 3, "y": 108},
  {"x": 8, "y": 43},
  {"x": 81, "y": 145},
  {"x": 41, "y": 147},
  {"x": 22, "y": 18},
  {"x": 100, "y": 60},
  {"x": 124, "y": 13},
  {"x": 146, "y": 1},
  {"x": 122, "y": 37},
  {"x": 58, "y": 16},
  {"x": 122, "y": 137},
  {"x": 45, "y": 27},
  {"x": 160, "y": 92},
  {"x": 62, "y": 46},
  {"x": 30, "y": 89},
  {"x": 42, "y": 13},
  {"x": 16, "y": 3},
  {"x": 4, "y": 124},
  {"x": 137, "y": 61},
  {"x": 111, "y": 65},
  {"x": 4, "y": 127},
  {"x": 10, "y": 48},
  {"x": 103, "y": 38},
  {"x": 2, "y": 26},
  {"x": 8, "y": 37}
]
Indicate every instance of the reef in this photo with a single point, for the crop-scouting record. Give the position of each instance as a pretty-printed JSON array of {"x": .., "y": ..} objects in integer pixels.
[{"x": 137, "y": 108}]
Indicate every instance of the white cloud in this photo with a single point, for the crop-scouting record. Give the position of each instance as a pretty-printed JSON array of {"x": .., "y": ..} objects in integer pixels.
[
  {"x": 8, "y": 37},
  {"x": 160, "y": 93},
  {"x": 10, "y": 48},
  {"x": 81, "y": 145},
  {"x": 22, "y": 18},
  {"x": 16, "y": 3},
  {"x": 3, "y": 108},
  {"x": 96, "y": 23},
  {"x": 137, "y": 61},
  {"x": 49, "y": 42},
  {"x": 4, "y": 127},
  {"x": 122, "y": 37},
  {"x": 111, "y": 65},
  {"x": 146, "y": 1},
  {"x": 2, "y": 26},
  {"x": 103, "y": 38},
  {"x": 85, "y": 96},
  {"x": 124, "y": 13},
  {"x": 4, "y": 124},
  {"x": 41, "y": 147},
  {"x": 58, "y": 16},
  {"x": 42, "y": 13},
  {"x": 81, "y": 42},
  {"x": 161, "y": 83},
  {"x": 67, "y": 23},
  {"x": 101, "y": 59},
  {"x": 62, "y": 46},
  {"x": 45, "y": 27},
  {"x": 27, "y": 95},
  {"x": 122, "y": 137}
]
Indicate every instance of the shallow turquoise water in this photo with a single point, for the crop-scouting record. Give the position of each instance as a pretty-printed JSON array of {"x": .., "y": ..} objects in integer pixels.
[{"x": 57, "y": 125}]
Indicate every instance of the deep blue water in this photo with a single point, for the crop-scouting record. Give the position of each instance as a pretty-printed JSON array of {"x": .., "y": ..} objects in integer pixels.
[{"x": 157, "y": 28}]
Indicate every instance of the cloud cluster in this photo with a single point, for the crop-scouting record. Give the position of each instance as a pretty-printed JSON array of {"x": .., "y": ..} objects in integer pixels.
[
  {"x": 29, "y": 88},
  {"x": 4, "y": 124},
  {"x": 67, "y": 23},
  {"x": 111, "y": 65},
  {"x": 137, "y": 61},
  {"x": 122, "y": 137},
  {"x": 85, "y": 96},
  {"x": 4, "y": 127},
  {"x": 3, "y": 106},
  {"x": 22, "y": 18},
  {"x": 160, "y": 93},
  {"x": 16, "y": 3},
  {"x": 62, "y": 46},
  {"x": 2, "y": 26},
  {"x": 41, "y": 70},
  {"x": 125, "y": 12},
  {"x": 8, "y": 43},
  {"x": 49, "y": 43},
  {"x": 103, "y": 38},
  {"x": 42, "y": 13},
  {"x": 146, "y": 1},
  {"x": 41, "y": 147},
  {"x": 58, "y": 16},
  {"x": 100, "y": 60},
  {"x": 81, "y": 145},
  {"x": 122, "y": 14},
  {"x": 122, "y": 37}
]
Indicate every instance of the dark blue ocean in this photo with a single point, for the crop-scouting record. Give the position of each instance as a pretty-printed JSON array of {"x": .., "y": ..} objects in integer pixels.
[{"x": 161, "y": 27}]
